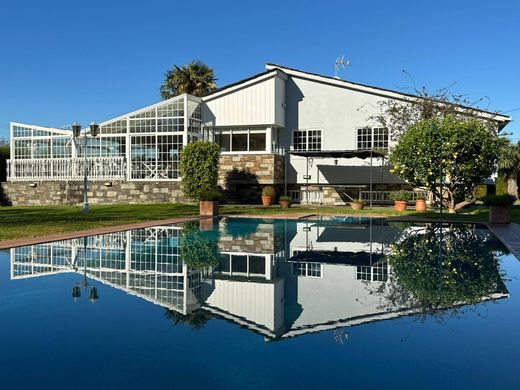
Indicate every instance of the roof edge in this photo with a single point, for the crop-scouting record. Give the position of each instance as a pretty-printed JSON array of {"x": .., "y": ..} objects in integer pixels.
[{"x": 505, "y": 119}]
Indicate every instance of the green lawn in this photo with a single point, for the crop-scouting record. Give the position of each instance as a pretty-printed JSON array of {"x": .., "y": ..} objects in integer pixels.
[{"x": 32, "y": 221}]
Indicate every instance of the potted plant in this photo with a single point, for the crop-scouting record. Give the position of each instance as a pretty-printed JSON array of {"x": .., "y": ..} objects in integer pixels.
[
  {"x": 499, "y": 207},
  {"x": 420, "y": 203},
  {"x": 208, "y": 203},
  {"x": 400, "y": 199},
  {"x": 357, "y": 204},
  {"x": 268, "y": 194},
  {"x": 285, "y": 201}
]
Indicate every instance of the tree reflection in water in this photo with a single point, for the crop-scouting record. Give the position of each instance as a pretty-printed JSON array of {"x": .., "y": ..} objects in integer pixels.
[
  {"x": 195, "y": 319},
  {"x": 440, "y": 267}
]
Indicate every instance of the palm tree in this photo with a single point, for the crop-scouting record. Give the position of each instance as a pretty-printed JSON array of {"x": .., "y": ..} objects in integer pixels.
[
  {"x": 509, "y": 165},
  {"x": 195, "y": 78}
]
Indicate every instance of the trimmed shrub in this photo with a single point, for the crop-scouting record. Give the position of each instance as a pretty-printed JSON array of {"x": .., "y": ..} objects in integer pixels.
[
  {"x": 505, "y": 200},
  {"x": 400, "y": 196},
  {"x": 269, "y": 191},
  {"x": 199, "y": 169}
]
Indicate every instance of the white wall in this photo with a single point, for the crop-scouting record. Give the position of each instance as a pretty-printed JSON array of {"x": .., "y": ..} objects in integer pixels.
[
  {"x": 338, "y": 112},
  {"x": 261, "y": 303},
  {"x": 255, "y": 103}
]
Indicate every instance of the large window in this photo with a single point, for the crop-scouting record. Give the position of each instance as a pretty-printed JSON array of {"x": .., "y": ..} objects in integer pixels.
[
  {"x": 155, "y": 156},
  {"x": 309, "y": 139},
  {"x": 372, "y": 138},
  {"x": 241, "y": 140}
]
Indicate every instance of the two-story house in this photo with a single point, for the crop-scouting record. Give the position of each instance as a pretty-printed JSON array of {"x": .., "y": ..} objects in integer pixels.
[{"x": 282, "y": 127}]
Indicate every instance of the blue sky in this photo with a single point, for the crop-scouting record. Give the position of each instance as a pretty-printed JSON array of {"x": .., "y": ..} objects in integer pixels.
[{"x": 62, "y": 61}]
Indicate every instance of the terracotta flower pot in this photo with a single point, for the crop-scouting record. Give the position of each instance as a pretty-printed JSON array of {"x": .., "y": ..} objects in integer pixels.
[
  {"x": 285, "y": 204},
  {"x": 420, "y": 205},
  {"x": 357, "y": 205},
  {"x": 499, "y": 214},
  {"x": 267, "y": 200},
  {"x": 208, "y": 208},
  {"x": 400, "y": 205}
]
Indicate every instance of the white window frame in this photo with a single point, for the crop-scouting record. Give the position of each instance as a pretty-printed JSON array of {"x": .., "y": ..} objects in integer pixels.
[
  {"x": 242, "y": 130},
  {"x": 372, "y": 128},
  {"x": 307, "y": 138}
]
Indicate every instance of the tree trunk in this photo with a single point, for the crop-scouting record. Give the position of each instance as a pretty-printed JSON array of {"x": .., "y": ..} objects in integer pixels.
[{"x": 512, "y": 186}]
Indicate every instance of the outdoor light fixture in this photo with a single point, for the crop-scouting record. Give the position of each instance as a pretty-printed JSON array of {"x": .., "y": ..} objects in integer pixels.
[
  {"x": 76, "y": 129},
  {"x": 306, "y": 177},
  {"x": 94, "y": 129},
  {"x": 335, "y": 161}
]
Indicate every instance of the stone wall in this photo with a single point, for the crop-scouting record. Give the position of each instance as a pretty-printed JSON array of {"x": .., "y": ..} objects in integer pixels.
[
  {"x": 268, "y": 168},
  {"x": 264, "y": 169},
  {"x": 71, "y": 193},
  {"x": 243, "y": 176}
]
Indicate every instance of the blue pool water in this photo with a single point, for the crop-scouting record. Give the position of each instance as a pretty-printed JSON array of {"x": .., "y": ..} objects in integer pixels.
[{"x": 257, "y": 303}]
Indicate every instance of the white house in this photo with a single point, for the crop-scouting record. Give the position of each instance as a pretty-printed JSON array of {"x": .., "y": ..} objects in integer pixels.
[{"x": 260, "y": 123}]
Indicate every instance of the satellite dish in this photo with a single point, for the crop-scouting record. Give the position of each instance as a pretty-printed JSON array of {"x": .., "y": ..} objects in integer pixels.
[{"x": 341, "y": 63}]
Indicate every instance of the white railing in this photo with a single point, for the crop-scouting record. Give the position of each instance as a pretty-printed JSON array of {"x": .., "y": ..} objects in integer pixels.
[
  {"x": 382, "y": 197},
  {"x": 48, "y": 169}
]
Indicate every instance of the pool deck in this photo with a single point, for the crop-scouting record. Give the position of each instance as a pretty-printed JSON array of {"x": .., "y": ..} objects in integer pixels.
[{"x": 509, "y": 235}]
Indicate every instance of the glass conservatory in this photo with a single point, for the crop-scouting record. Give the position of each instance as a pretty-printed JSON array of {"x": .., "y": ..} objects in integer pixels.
[{"x": 141, "y": 145}]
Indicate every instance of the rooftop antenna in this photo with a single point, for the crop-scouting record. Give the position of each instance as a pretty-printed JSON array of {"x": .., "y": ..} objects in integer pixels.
[{"x": 341, "y": 63}]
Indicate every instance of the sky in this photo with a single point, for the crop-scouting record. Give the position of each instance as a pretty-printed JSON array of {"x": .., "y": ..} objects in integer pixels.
[{"x": 62, "y": 61}]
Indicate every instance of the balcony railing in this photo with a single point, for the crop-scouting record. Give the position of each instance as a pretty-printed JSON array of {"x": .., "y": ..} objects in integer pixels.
[{"x": 66, "y": 169}]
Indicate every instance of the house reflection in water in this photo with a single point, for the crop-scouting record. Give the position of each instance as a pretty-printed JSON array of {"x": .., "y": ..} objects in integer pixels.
[{"x": 280, "y": 278}]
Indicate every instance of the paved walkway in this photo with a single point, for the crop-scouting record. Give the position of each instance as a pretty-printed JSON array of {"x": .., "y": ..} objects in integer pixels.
[
  {"x": 6, "y": 244},
  {"x": 509, "y": 235}
]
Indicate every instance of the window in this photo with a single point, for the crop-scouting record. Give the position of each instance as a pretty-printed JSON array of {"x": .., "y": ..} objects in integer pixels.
[
  {"x": 363, "y": 272},
  {"x": 257, "y": 141},
  {"x": 372, "y": 138},
  {"x": 312, "y": 270},
  {"x": 380, "y": 272},
  {"x": 380, "y": 137},
  {"x": 307, "y": 139},
  {"x": 241, "y": 140},
  {"x": 224, "y": 141}
]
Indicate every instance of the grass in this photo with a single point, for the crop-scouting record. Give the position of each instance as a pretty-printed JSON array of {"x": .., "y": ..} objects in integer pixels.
[{"x": 32, "y": 221}]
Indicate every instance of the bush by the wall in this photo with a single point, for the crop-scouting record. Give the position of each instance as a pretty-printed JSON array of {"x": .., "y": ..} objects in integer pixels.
[{"x": 199, "y": 169}]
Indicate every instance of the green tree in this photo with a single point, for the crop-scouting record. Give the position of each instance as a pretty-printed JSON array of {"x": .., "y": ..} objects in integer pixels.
[
  {"x": 195, "y": 78},
  {"x": 509, "y": 164},
  {"x": 199, "y": 169},
  {"x": 199, "y": 249},
  {"x": 461, "y": 151},
  {"x": 438, "y": 267}
]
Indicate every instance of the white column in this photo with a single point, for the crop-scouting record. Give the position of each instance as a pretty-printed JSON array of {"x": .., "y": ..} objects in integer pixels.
[
  {"x": 128, "y": 152},
  {"x": 269, "y": 140},
  {"x": 185, "y": 137}
]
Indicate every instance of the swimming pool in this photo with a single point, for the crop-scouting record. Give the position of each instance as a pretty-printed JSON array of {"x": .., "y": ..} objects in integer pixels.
[{"x": 258, "y": 303}]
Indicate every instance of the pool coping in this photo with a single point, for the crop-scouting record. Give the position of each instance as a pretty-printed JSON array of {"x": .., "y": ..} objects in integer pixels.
[{"x": 7, "y": 244}]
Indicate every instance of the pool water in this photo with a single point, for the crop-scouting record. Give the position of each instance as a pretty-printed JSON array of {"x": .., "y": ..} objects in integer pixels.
[{"x": 262, "y": 303}]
